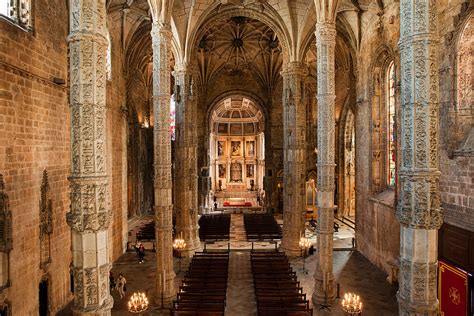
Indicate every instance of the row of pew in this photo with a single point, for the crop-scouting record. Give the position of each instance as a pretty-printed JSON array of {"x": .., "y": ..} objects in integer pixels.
[
  {"x": 214, "y": 227},
  {"x": 261, "y": 227},
  {"x": 277, "y": 290},
  {"x": 204, "y": 287},
  {"x": 146, "y": 232}
]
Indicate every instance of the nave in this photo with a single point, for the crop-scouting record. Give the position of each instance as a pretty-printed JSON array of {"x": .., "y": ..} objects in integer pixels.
[{"x": 353, "y": 272}]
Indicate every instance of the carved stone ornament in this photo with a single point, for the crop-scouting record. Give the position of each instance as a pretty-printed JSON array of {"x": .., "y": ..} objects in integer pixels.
[
  {"x": 6, "y": 242},
  {"x": 45, "y": 206},
  {"x": 325, "y": 49},
  {"x": 161, "y": 44},
  {"x": 89, "y": 213},
  {"x": 418, "y": 209},
  {"x": 294, "y": 116}
]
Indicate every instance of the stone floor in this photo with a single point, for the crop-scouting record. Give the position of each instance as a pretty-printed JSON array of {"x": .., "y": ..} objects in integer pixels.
[{"x": 353, "y": 272}]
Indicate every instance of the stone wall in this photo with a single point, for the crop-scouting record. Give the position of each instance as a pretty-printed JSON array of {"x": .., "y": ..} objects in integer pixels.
[
  {"x": 377, "y": 231},
  {"x": 35, "y": 136},
  {"x": 456, "y": 162}
]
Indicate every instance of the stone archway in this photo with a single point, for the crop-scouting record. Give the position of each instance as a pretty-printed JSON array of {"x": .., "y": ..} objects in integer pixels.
[
  {"x": 347, "y": 202},
  {"x": 236, "y": 151}
]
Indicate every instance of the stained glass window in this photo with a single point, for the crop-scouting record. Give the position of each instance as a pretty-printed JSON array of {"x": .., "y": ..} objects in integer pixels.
[
  {"x": 172, "y": 118},
  {"x": 391, "y": 148}
]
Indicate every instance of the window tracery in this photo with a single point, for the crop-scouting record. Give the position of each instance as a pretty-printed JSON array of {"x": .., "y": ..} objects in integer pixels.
[
  {"x": 18, "y": 11},
  {"x": 464, "y": 111},
  {"x": 383, "y": 127},
  {"x": 391, "y": 132}
]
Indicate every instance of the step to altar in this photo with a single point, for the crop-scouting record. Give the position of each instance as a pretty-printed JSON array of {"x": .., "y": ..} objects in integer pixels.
[{"x": 237, "y": 228}]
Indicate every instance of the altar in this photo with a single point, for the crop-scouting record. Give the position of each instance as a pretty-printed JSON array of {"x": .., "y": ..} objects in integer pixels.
[{"x": 237, "y": 154}]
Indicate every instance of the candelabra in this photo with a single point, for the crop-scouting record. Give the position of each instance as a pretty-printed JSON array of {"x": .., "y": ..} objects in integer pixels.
[
  {"x": 138, "y": 303},
  {"x": 305, "y": 243},
  {"x": 179, "y": 244},
  {"x": 351, "y": 304}
]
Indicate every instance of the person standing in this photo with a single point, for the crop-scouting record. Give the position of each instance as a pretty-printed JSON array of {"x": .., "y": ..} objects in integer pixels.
[
  {"x": 111, "y": 280},
  {"x": 120, "y": 287},
  {"x": 141, "y": 253},
  {"x": 137, "y": 247}
]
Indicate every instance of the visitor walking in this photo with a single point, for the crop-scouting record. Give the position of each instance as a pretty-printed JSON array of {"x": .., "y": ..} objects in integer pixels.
[
  {"x": 121, "y": 285},
  {"x": 141, "y": 253}
]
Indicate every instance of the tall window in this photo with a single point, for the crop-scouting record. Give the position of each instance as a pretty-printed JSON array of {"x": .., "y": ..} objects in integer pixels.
[
  {"x": 108, "y": 59},
  {"x": 391, "y": 142},
  {"x": 18, "y": 11}
]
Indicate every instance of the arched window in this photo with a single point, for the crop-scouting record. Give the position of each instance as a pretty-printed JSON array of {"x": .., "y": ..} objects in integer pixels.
[
  {"x": 391, "y": 135},
  {"x": 108, "y": 60},
  {"x": 464, "y": 110},
  {"x": 17, "y": 11}
]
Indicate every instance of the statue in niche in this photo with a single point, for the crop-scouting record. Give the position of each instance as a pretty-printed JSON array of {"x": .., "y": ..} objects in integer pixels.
[
  {"x": 220, "y": 148},
  {"x": 236, "y": 172},
  {"x": 221, "y": 171},
  {"x": 250, "y": 148},
  {"x": 249, "y": 171}
]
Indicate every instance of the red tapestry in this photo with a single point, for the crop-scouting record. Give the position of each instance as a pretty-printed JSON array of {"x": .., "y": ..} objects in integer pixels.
[{"x": 452, "y": 290}]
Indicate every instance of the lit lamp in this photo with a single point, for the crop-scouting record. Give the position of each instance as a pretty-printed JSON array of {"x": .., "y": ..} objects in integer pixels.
[
  {"x": 305, "y": 243},
  {"x": 351, "y": 304},
  {"x": 179, "y": 244},
  {"x": 138, "y": 303}
]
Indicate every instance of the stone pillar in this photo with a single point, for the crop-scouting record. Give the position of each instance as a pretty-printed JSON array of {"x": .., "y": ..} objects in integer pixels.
[
  {"x": 294, "y": 157},
  {"x": 89, "y": 216},
  {"x": 418, "y": 209},
  {"x": 186, "y": 160},
  {"x": 324, "y": 279},
  {"x": 161, "y": 42}
]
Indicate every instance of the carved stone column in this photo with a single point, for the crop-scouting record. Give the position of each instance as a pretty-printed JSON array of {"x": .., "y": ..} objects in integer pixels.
[
  {"x": 161, "y": 41},
  {"x": 89, "y": 216},
  {"x": 186, "y": 160},
  {"x": 324, "y": 279},
  {"x": 294, "y": 135},
  {"x": 418, "y": 210}
]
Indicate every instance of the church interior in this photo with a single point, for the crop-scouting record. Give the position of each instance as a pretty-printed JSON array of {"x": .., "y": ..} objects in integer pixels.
[{"x": 236, "y": 157}]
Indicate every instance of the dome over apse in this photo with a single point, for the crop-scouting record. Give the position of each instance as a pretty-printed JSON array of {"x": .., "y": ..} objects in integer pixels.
[{"x": 236, "y": 116}]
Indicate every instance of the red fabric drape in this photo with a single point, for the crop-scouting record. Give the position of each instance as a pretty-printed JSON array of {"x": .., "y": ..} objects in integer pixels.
[{"x": 452, "y": 290}]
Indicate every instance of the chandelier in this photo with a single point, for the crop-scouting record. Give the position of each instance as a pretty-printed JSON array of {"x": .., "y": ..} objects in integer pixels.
[
  {"x": 138, "y": 303},
  {"x": 351, "y": 304}
]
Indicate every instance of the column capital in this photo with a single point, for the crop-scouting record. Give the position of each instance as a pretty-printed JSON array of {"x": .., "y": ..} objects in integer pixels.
[
  {"x": 294, "y": 68},
  {"x": 184, "y": 68},
  {"x": 325, "y": 31},
  {"x": 159, "y": 28}
]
